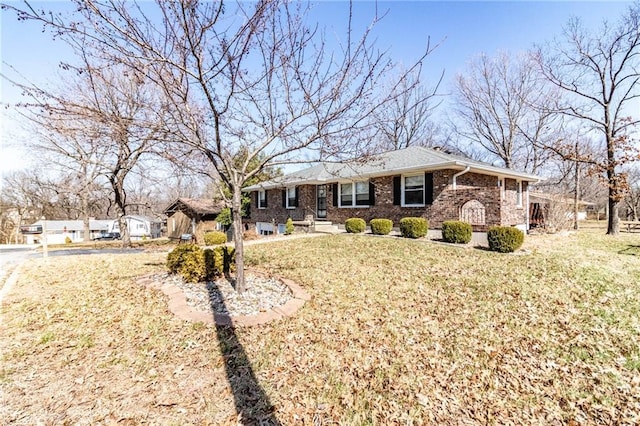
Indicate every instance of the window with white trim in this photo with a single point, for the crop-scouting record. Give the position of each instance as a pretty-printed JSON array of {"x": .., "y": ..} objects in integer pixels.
[
  {"x": 519, "y": 193},
  {"x": 291, "y": 198},
  {"x": 413, "y": 190},
  {"x": 262, "y": 199},
  {"x": 354, "y": 194}
]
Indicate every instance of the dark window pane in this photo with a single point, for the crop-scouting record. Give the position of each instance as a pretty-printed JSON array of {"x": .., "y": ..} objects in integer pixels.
[{"x": 414, "y": 197}]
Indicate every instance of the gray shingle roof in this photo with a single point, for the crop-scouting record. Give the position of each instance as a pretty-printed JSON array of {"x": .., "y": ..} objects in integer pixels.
[{"x": 412, "y": 159}]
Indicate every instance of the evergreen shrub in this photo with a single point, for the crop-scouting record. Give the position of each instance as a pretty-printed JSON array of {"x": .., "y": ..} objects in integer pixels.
[
  {"x": 213, "y": 238},
  {"x": 456, "y": 231},
  {"x": 288, "y": 227},
  {"x": 381, "y": 226},
  {"x": 355, "y": 225},
  {"x": 505, "y": 239},
  {"x": 414, "y": 227}
]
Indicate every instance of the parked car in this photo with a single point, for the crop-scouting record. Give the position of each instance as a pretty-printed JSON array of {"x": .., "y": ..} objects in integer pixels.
[{"x": 108, "y": 236}]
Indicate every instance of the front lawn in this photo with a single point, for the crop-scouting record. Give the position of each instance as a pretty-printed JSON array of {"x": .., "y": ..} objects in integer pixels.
[{"x": 398, "y": 332}]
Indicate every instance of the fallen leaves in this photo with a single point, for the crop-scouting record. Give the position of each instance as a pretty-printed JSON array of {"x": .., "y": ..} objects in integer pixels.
[{"x": 397, "y": 332}]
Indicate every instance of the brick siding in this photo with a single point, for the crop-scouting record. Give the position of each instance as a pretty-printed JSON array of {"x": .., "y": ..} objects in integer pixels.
[{"x": 447, "y": 202}]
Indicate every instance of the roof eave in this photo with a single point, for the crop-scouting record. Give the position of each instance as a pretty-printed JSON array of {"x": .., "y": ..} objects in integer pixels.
[{"x": 473, "y": 167}]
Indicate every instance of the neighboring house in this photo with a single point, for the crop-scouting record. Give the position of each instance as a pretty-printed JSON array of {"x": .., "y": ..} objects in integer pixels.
[
  {"x": 140, "y": 227},
  {"x": 59, "y": 230},
  {"x": 415, "y": 181},
  {"x": 192, "y": 216},
  {"x": 555, "y": 210}
]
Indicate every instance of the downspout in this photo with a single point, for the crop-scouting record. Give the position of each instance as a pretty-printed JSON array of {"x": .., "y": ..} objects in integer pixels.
[{"x": 454, "y": 183}]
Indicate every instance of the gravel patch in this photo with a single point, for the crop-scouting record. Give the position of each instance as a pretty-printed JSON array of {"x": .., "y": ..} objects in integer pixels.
[{"x": 261, "y": 294}]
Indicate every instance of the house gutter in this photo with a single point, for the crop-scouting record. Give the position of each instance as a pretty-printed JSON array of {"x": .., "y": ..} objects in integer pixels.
[{"x": 455, "y": 177}]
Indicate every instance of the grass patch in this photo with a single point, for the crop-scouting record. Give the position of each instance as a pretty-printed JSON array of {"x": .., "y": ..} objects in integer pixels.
[{"x": 398, "y": 332}]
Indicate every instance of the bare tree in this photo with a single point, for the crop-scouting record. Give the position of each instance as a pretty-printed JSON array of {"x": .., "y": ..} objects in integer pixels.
[
  {"x": 598, "y": 71},
  {"x": 632, "y": 200},
  {"x": 407, "y": 120},
  {"x": 101, "y": 123},
  {"x": 503, "y": 108},
  {"x": 252, "y": 77}
]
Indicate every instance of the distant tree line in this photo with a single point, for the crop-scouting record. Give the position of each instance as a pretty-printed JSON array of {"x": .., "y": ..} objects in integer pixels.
[{"x": 211, "y": 96}]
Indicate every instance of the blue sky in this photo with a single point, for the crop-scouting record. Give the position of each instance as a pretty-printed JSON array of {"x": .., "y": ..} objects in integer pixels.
[{"x": 464, "y": 29}]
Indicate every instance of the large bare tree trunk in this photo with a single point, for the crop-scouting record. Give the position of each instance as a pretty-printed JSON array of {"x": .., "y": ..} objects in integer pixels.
[{"x": 238, "y": 237}]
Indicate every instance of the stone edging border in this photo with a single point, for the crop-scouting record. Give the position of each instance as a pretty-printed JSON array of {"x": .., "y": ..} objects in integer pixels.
[{"x": 178, "y": 305}]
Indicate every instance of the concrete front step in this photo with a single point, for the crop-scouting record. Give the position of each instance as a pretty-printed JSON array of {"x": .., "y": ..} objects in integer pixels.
[{"x": 326, "y": 227}]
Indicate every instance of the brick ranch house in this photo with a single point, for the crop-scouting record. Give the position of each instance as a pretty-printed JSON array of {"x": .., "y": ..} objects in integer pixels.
[{"x": 414, "y": 181}]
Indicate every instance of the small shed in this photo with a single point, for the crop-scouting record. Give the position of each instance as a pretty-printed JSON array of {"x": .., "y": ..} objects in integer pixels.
[{"x": 192, "y": 216}]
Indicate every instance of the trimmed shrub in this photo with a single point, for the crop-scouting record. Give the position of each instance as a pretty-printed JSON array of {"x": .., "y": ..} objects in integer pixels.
[
  {"x": 456, "y": 231},
  {"x": 176, "y": 257},
  {"x": 381, "y": 226},
  {"x": 67, "y": 240},
  {"x": 220, "y": 260},
  {"x": 213, "y": 238},
  {"x": 414, "y": 227},
  {"x": 288, "y": 227},
  {"x": 188, "y": 261},
  {"x": 355, "y": 225},
  {"x": 505, "y": 239},
  {"x": 196, "y": 265}
]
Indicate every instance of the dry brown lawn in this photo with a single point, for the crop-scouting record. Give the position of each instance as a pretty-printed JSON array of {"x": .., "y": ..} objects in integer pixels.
[{"x": 398, "y": 332}]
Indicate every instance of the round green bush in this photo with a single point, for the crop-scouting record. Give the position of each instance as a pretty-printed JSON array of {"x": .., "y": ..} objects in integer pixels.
[
  {"x": 456, "y": 231},
  {"x": 187, "y": 260},
  {"x": 213, "y": 238},
  {"x": 355, "y": 225},
  {"x": 413, "y": 227},
  {"x": 176, "y": 257},
  {"x": 505, "y": 239},
  {"x": 381, "y": 226}
]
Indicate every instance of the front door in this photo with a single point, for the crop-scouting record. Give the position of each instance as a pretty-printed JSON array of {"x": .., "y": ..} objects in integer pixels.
[{"x": 321, "y": 210}]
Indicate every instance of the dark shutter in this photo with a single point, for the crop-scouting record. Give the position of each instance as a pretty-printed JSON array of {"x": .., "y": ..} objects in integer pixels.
[
  {"x": 265, "y": 197},
  {"x": 284, "y": 198},
  {"x": 372, "y": 194},
  {"x": 295, "y": 202},
  {"x": 334, "y": 190},
  {"x": 428, "y": 188},
  {"x": 397, "y": 191}
]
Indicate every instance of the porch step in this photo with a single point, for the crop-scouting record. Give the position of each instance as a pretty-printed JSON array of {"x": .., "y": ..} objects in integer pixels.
[{"x": 326, "y": 227}]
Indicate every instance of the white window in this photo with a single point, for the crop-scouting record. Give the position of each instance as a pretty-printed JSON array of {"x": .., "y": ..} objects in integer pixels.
[
  {"x": 502, "y": 188},
  {"x": 413, "y": 190},
  {"x": 346, "y": 194},
  {"x": 262, "y": 199},
  {"x": 291, "y": 199},
  {"x": 354, "y": 194},
  {"x": 519, "y": 193}
]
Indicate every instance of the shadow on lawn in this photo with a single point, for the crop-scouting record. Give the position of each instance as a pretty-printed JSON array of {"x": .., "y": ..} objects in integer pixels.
[
  {"x": 252, "y": 403},
  {"x": 631, "y": 250}
]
